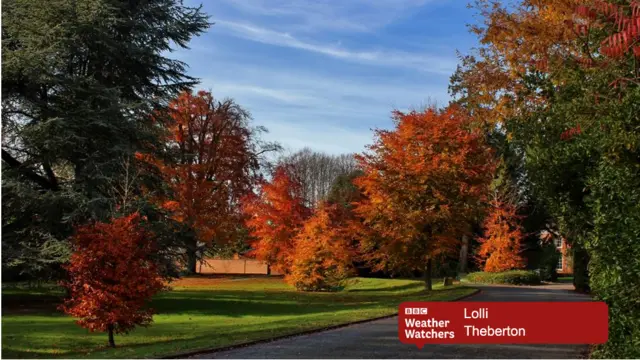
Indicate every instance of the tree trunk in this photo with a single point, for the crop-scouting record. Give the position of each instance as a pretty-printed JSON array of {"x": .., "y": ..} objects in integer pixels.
[
  {"x": 192, "y": 256},
  {"x": 192, "y": 261},
  {"x": 464, "y": 255},
  {"x": 580, "y": 269},
  {"x": 427, "y": 276},
  {"x": 112, "y": 343}
]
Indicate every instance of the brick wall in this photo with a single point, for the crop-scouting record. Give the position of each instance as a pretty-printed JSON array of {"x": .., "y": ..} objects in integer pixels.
[{"x": 234, "y": 266}]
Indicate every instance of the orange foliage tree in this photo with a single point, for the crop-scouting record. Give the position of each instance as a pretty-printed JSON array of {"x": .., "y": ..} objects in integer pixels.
[
  {"x": 422, "y": 183},
  {"x": 112, "y": 276},
  {"x": 500, "y": 247},
  {"x": 323, "y": 255},
  {"x": 546, "y": 36},
  {"x": 524, "y": 37},
  {"x": 275, "y": 215},
  {"x": 209, "y": 162}
]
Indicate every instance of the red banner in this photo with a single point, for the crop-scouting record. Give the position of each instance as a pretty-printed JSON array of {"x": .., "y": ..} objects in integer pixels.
[{"x": 423, "y": 323}]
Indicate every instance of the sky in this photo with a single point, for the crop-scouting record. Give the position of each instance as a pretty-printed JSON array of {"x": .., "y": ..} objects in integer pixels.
[{"x": 324, "y": 73}]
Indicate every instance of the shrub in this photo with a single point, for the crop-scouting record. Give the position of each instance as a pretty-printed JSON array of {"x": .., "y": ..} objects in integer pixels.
[
  {"x": 500, "y": 247},
  {"x": 112, "y": 276},
  {"x": 514, "y": 277},
  {"x": 322, "y": 258},
  {"x": 549, "y": 263}
]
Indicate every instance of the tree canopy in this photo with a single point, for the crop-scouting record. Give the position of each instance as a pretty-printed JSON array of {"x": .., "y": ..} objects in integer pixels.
[
  {"x": 79, "y": 81},
  {"x": 422, "y": 181}
]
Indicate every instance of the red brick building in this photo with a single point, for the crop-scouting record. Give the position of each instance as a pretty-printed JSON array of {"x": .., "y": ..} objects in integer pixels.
[{"x": 565, "y": 262}]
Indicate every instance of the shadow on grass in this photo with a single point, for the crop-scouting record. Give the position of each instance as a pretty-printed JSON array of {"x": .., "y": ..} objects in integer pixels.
[
  {"x": 240, "y": 303},
  {"x": 237, "y": 304},
  {"x": 168, "y": 347},
  {"x": 188, "y": 336},
  {"x": 414, "y": 286},
  {"x": 29, "y": 303}
]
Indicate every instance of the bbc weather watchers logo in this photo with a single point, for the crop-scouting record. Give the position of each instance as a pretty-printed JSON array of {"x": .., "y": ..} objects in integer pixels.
[{"x": 415, "y": 311}]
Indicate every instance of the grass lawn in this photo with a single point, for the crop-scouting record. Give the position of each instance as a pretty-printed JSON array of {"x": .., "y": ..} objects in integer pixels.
[{"x": 202, "y": 313}]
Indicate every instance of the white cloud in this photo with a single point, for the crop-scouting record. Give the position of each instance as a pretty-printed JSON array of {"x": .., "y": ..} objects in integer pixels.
[
  {"x": 315, "y": 15},
  {"x": 323, "y": 104},
  {"x": 330, "y": 114},
  {"x": 276, "y": 94},
  {"x": 444, "y": 65},
  {"x": 317, "y": 93},
  {"x": 321, "y": 137}
]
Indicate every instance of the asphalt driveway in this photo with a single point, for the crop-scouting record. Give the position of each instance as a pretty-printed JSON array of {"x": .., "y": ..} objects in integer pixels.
[{"x": 379, "y": 339}]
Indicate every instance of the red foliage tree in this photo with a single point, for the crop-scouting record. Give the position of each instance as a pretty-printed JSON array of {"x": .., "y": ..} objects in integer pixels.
[
  {"x": 275, "y": 216},
  {"x": 611, "y": 29},
  {"x": 323, "y": 256},
  {"x": 500, "y": 247},
  {"x": 209, "y": 163},
  {"x": 623, "y": 20},
  {"x": 423, "y": 182},
  {"x": 112, "y": 276}
]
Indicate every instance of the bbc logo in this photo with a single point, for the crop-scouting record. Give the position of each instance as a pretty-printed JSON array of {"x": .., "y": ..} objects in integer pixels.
[{"x": 415, "y": 311}]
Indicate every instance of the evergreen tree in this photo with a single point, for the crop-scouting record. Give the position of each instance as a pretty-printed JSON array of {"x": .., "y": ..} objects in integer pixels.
[{"x": 80, "y": 79}]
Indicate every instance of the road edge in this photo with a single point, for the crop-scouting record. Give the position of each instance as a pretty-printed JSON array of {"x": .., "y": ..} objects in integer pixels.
[{"x": 188, "y": 354}]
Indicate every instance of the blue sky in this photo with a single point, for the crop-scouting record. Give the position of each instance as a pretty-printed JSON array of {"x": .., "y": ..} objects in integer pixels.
[{"x": 324, "y": 73}]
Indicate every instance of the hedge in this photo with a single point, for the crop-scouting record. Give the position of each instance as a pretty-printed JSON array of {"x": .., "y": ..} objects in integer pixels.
[{"x": 513, "y": 277}]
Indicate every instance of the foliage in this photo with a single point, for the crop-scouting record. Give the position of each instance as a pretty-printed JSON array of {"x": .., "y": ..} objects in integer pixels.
[
  {"x": 512, "y": 277},
  {"x": 621, "y": 25},
  {"x": 323, "y": 256},
  {"x": 547, "y": 268},
  {"x": 500, "y": 247},
  {"x": 209, "y": 160},
  {"x": 344, "y": 191},
  {"x": 561, "y": 79},
  {"x": 275, "y": 216},
  {"x": 422, "y": 182},
  {"x": 79, "y": 80},
  {"x": 112, "y": 276}
]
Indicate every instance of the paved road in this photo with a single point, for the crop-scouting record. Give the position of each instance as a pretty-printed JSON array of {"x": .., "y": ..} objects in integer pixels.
[{"x": 379, "y": 339}]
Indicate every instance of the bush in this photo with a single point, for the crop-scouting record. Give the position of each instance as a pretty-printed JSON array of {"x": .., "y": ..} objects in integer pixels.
[
  {"x": 549, "y": 262},
  {"x": 514, "y": 277},
  {"x": 322, "y": 259},
  {"x": 614, "y": 254}
]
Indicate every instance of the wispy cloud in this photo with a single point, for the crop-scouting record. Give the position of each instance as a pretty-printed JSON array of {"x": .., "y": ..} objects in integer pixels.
[
  {"x": 271, "y": 93},
  {"x": 315, "y": 92},
  {"x": 321, "y": 137},
  {"x": 422, "y": 62},
  {"x": 326, "y": 113},
  {"x": 329, "y": 15},
  {"x": 322, "y": 73}
]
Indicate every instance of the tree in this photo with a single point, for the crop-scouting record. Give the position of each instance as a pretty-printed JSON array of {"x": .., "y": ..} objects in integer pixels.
[
  {"x": 561, "y": 79},
  {"x": 500, "y": 247},
  {"x": 209, "y": 161},
  {"x": 318, "y": 171},
  {"x": 422, "y": 183},
  {"x": 79, "y": 81},
  {"x": 112, "y": 276},
  {"x": 323, "y": 256},
  {"x": 275, "y": 216},
  {"x": 344, "y": 191}
]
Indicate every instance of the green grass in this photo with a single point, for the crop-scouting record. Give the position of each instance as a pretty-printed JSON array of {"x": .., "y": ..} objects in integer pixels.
[{"x": 203, "y": 313}]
